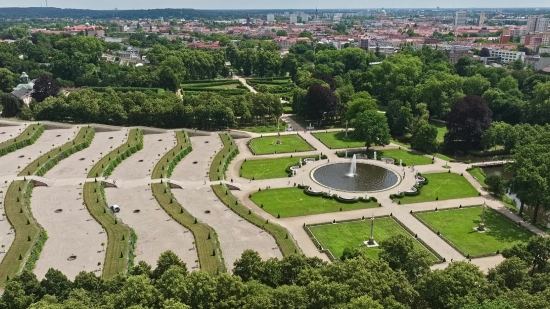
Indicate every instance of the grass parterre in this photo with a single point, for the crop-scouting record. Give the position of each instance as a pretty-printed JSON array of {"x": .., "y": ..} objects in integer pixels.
[
  {"x": 289, "y": 143},
  {"x": 269, "y": 168},
  {"x": 441, "y": 186}
]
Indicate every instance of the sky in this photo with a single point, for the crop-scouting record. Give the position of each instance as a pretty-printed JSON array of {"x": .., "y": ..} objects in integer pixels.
[{"x": 279, "y": 4}]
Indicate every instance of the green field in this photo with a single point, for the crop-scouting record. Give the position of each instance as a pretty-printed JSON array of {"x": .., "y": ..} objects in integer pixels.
[
  {"x": 293, "y": 202},
  {"x": 205, "y": 236},
  {"x": 478, "y": 173},
  {"x": 265, "y": 129},
  {"x": 289, "y": 143},
  {"x": 337, "y": 237},
  {"x": 268, "y": 168},
  {"x": 336, "y": 140},
  {"x": 408, "y": 157},
  {"x": 444, "y": 186},
  {"x": 441, "y": 130},
  {"x": 457, "y": 225}
]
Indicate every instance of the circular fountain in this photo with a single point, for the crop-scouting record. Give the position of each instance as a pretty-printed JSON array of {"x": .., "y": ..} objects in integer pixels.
[{"x": 355, "y": 177}]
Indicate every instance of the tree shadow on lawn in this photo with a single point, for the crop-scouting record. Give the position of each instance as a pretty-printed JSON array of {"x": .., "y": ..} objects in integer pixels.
[{"x": 500, "y": 228}]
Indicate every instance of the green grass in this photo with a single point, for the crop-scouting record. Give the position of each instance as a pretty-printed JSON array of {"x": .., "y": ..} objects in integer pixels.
[
  {"x": 265, "y": 129},
  {"x": 478, "y": 173},
  {"x": 441, "y": 130},
  {"x": 408, "y": 157},
  {"x": 135, "y": 140},
  {"x": 337, "y": 237},
  {"x": 443, "y": 157},
  {"x": 444, "y": 186},
  {"x": 223, "y": 158},
  {"x": 26, "y": 138},
  {"x": 268, "y": 168},
  {"x": 81, "y": 141},
  {"x": 205, "y": 236},
  {"x": 282, "y": 236},
  {"x": 293, "y": 202},
  {"x": 457, "y": 225},
  {"x": 336, "y": 140},
  {"x": 18, "y": 214},
  {"x": 118, "y": 234},
  {"x": 172, "y": 157},
  {"x": 289, "y": 143}
]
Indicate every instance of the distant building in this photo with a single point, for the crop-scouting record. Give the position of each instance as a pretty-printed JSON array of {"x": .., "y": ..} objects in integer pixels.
[
  {"x": 85, "y": 29},
  {"x": 460, "y": 18},
  {"x": 482, "y": 19},
  {"x": 506, "y": 55},
  {"x": 457, "y": 52},
  {"x": 364, "y": 43},
  {"x": 293, "y": 18},
  {"x": 25, "y": 88},
  {"x": 537, "y": 24},
  {"x": 305, "y": 18},
  {"x": 270, "y": 18}
]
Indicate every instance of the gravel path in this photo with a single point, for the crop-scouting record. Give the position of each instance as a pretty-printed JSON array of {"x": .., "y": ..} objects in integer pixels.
[
  {"x": 156, "y": 231},
  {"x": 9, "y": 132},
  {"x": 72, "y": 231}
]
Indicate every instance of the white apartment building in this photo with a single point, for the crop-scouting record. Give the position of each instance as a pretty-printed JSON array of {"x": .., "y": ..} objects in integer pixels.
[
  {"x": 460, "y": 18},
  {"x": 482, "y": 19},
  {"x": 537, "y": 24},
  {"x": 544, "y": 49},
  {"x": 507, "y": 55},
  {"x": 293, "y": 18},
  {"x": 270, "y": 18}
]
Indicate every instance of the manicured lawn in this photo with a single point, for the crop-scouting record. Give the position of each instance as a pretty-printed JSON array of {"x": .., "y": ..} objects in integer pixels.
[
  {"x": 223, "y": 158},
  {"x": 265, "y": 129},
  {"x": 205, "y": 236},
  {"x": 289, "y": 143},
  {"x": 457, "y": 225},
  {"x": 408, "y": 157},
  {"x": 336, "y": 140},
  {"x": 268, "y": 168},
  {"x": 443, "y": 157},
  {"x": 337, "y": 237},
  {"x": 441, "y": 130},
  {"x": 293, "y": 202},
  {"x": 168, "y": 162},
  {"x": 478, "y": 173},
  {"x": 444, "y": 186}
]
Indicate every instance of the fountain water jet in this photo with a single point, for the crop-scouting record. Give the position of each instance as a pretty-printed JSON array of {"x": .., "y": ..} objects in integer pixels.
[{"x": 353, "y": 167}]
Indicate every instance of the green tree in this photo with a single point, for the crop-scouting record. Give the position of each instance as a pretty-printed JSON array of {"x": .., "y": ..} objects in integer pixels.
[
  {"x": 44, "y": 87},
  {"x": 362, "y": 303},
  {"x": 425, "y": 139},
  {"x": 399, "y": 117},
  {"x": 281, "y": 33},
  {"x": 372, "y": 127},
  {"x": 495, "y": 184},
  {"x": 358, "y": 106},
  {"x": 57, "y": 284},
  {"x": 11, "y": 105},
  {"x": 399, "y": 252},
  {"x": 165, "y": 261},
  {"x": 511, "y": 273},
  {"x": 476, "y": 84},
  {"x": 422, "y": 118},
  {"x": 249, "y": 266},
  {"x": 321, "y": 103},
  {"x": 468, "y": 119},
  {"x": 7, "y": 80}
]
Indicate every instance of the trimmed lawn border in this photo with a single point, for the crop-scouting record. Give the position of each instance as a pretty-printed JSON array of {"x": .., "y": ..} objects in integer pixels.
[
  {"x": 283, "y": 172},
  {"x": 330, "y": 136},
  {"x": 282, "y": 237},
  {"x": 283, "y": 137},
  {"x": 331, "y": 203},
  {"x": 280, "y": 234},
  {"x": 120, "y": 238},
  {"x": 25, "y": 139},
  {"x": 439, "y": 258},
  {"x": 173, "y": 157},
  {"x": 223, "y": 158},
  {"x": 29, "y": 235},
  {"x": 206, "y": 238},
  {"x": 415, "y": 214},
  {"x": 47, "y": 161},
  {"x": 105, "y": 166}
]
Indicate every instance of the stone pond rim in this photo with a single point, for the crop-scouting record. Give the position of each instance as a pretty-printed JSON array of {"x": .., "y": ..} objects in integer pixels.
[{"x": 368, "y": 178}]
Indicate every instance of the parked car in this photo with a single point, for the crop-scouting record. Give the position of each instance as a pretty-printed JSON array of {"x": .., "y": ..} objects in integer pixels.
[{"x": 115, "y": 208}]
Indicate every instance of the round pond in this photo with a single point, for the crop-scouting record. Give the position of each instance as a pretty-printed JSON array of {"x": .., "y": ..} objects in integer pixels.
[{"x": 368, "y": 177}]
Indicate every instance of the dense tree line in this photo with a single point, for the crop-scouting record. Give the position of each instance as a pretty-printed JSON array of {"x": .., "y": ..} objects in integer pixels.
[
  {"x": 400, "y": 279},
  {"x": 208, "y": 111}
]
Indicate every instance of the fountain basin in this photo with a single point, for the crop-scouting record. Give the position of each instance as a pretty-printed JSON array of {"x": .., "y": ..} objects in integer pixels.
[{"x": 368, "y": 177}]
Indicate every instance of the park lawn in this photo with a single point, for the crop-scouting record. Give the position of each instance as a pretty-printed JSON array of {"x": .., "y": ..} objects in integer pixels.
[
  {"x": 293, "y": 202},
  {"x": 18, "y": 214},
  {"x": 336, "y": 140},
  {"x": 457, "y": 225},
  {"x": 289, "y": 143},
  {"x": 479, "y": 175},
  {"x": 337, "y": 237},
  {"x": 441, "y": 130},
  {"x": 205, "y": 236},
  {"x": 409, "y": 158},
  {"x": 265, "y": 129},
  {"x": 443, "y": 186},
  {"x": 268, "y": 168}
]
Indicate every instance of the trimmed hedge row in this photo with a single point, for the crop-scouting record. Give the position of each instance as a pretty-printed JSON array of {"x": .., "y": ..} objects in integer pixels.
[
  {"x": 127, "y": 89},
  {"x": 106, "y": 165},
  {"x": 206, "y": 238},
  {"x": 26, "y": 138},
  {"x": 82, "y": 140},
  {"x": 211, "y": 82},
  {"x": 224, "y": 157},
  {"x": 173, "y": 157},
  {"x": 234, "y": 91}
]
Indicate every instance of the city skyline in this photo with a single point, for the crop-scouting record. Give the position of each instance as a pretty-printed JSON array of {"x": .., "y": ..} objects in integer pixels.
[{"x": 282, "y": 4}]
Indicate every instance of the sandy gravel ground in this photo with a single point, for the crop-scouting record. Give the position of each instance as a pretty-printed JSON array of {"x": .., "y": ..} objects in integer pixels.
[
  {"x": 235, "y": 234},
  {"x": 9, "y": 132},
  {"x": 72, "y": 231},
  {"x": 156, "y": 231},
  {"x": 137, "y": 166},
  {"x": 6, "y": 233},
  {"x": 75, "y": 167},
  {"x": 24, "y": 156}
]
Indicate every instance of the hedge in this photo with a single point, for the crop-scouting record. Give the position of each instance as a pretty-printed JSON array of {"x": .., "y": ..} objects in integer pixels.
[
  {"x": 48, "y": 160},
  {"x": 212, "y": 82},
  {"x": 107, "y": 164},
  {"x": 173, "y": 157},
  {"x": 127, "y": 89},
  {"x": 406, "y": 193},
  {"x": 223, "y": 158},
  {"x": 26, "y": 138}
]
